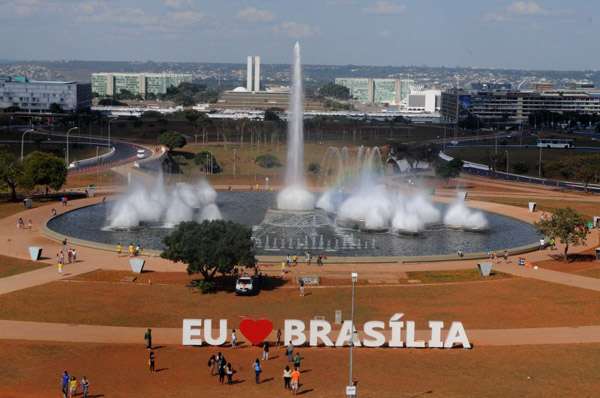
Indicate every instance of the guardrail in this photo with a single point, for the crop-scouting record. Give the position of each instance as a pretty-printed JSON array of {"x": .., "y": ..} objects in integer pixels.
[
  {"x": 485, "y": 171},
  {"x": 83, "y": 163}
]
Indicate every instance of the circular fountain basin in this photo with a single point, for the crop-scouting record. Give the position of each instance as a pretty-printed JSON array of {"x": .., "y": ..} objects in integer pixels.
[{"x": 279, "y": 232}]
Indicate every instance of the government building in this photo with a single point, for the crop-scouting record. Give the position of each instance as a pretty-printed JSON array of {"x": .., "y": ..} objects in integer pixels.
[
  {"x": 140, "y": 84},
  {"x": 38, "y": 96}
]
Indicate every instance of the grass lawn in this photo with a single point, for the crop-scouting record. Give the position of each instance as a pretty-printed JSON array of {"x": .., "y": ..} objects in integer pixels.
[
  {"x": 12, "y": 266},
  {"x": 588, "y": 209},
  {"x": 465, "y": 275},
  {"x": 512, "y": 302},
  {"x": 106, "y": 177},
  {"x": 9, "y": 208},
  {"x": 32, "y": 369}
]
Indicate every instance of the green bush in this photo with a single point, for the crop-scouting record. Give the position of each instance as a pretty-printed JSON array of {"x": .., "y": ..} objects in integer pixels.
[
  {"x": 268, "y": 161},
  {"x": 205, "y": 159}
]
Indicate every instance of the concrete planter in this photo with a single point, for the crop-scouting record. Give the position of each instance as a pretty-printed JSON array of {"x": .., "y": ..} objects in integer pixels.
[{"x": 137, "y": 265}]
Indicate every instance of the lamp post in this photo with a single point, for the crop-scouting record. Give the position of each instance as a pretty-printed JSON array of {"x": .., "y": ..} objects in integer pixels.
[
  {"x": 109, "y": 122},
  {"x": 351, "y": 388},
  {"x": 540, "y": 164},
  {"x": 67, "y": 152},
  {"x": 23, "y": 140},
  {"x": 506, "y": 161}
]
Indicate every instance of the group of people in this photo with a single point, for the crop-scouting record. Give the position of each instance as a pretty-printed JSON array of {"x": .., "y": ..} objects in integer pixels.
[
  {"x": 292, "y": 261},
  {"x": 71, "y": 257},
  {"x": 21, "y": 224},
  {"x": 70, "y": 385},
  {"x": 218, "y": 365},
  {"x": 132, "y": 250}
]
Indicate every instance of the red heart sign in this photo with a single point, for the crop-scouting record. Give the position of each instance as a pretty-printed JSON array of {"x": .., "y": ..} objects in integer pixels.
[{"x": 256, "y": 331}]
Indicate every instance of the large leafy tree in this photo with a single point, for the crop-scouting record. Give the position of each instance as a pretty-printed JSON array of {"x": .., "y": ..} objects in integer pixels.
[
  {"x": 566, "y": 225},
  {"x": 210, "y": 247},
  {"x": 335, "y": 91},
  {"x": 447, "y": 170},
  {"x": 11, "y": 170},
  {"x": 42, "y": 168},
  {"x": 172, "y": 140}
]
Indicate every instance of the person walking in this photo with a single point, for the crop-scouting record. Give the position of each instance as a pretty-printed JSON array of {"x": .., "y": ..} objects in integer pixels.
[
  {"x": 151, "y": 361},
  {"x": 222, "y": 372},
  {"x": 295, "y": 383},
  {"x": 505, "y": 256},
  {"x": 148, "y": 338},
  {"x": 29, "y": 224},
  {"x": 257, "y": 371},
  {"x": 308, "y": 258},
  {"x": 229, "y": 373},
  {"x": 301, "y": 283},
  {"x": 297, "y": 360},
  {"x": 59, "y": 262},
  {"x": 72, "y": 387},
  {"x": 233, "y": 339},
  {"x": 320, "y": 260},
  {"x": 295, "y": 260},
  {"x": 212, "y": 363},
  {"x": 70, "y": 256},
  {"x": 64, "y": 383},
  {"x": 74, "y": 254},
  {"x": 290, "y": 351},
  {"x": 119, "y": 249},
  {"x": 278, "y": 342},
  {"x": 85, "y": 386},
  {"x": 287, "y": 376},
  {"x": 265, "y": 353}
]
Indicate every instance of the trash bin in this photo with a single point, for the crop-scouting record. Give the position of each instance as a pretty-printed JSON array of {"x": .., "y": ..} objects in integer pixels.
[{"x": 27, "y": 203}]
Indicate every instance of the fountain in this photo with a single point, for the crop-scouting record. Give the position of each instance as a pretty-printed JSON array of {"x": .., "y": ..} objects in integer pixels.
[
  {"x": 295, "y": 196},
  {"x": 359, "y": 214}
]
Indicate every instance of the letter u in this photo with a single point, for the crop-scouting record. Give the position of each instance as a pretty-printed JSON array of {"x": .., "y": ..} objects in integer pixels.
[{"x": 208, "y": 338}]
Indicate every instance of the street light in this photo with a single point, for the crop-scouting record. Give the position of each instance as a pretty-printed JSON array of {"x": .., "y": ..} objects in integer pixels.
[
  {"x": 23, "y": 140},
  {"x": 67, "y": 153},
  {"x": 351, "y": 388},
  {"x": 506, "y": 161},
  {"x": 109, "y": 122}
]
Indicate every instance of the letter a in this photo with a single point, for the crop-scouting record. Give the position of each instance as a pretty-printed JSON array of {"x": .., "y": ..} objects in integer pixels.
[{"x": 457, "y": 334}]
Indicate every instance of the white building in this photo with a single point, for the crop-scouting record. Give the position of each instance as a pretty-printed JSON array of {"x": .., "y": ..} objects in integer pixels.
[
  {"x": 427, "y": 101},
  {"x": 37, "y": 96},
  {"x": 253, "y": 73}
]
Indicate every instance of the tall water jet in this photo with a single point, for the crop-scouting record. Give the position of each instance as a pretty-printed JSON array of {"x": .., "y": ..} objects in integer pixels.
[{"x": 295, "y": 196}]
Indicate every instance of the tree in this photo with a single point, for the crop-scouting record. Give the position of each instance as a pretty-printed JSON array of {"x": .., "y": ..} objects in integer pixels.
[
  {"x": 268, "y": 161},
  {"x": 207, "y": 162},
  {"x": 172, "y": 140},
  {"x": 314, "y": 168},
  {"x": 567, "y": 225},
  {"x": 272, "y": 116},
  {"x": 11, "y": 171},
  {"x": 42, "y": 168},
  {"x": 210, "y": 247},
  {"x": 520, "y": 168},
  {"x": 55, "y": 108},
  {"x": 335, "y": 91},
  {"x": 448, "y": 170}
]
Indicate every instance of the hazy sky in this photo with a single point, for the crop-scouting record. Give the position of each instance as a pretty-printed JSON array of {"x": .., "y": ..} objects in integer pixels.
[{"x": 540, "y": 34}]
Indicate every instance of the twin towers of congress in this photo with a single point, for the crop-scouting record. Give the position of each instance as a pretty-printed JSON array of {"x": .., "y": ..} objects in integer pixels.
[{"x": 253, "y": 73}]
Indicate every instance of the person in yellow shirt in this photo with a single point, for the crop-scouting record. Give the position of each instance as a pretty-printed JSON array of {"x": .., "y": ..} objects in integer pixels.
[
  {"x": 119, "y": 249},
  {"x": 72, "y": 387}
]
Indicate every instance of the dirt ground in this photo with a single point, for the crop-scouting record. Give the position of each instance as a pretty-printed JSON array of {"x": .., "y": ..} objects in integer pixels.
[
  {"x": 504, "y": 303},
  {"x": 34, "y": 369},
  {"x": 12, "y": 266}
]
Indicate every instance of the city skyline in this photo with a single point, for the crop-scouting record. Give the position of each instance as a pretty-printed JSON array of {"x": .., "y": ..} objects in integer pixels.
[{"x": 534, "y": 35}]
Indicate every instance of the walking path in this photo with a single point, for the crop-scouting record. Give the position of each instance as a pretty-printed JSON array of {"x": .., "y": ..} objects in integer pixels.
[{"x": 62, "y": 332}]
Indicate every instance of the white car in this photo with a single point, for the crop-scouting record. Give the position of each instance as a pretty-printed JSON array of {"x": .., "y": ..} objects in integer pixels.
[{"x": 141, "y": 153}]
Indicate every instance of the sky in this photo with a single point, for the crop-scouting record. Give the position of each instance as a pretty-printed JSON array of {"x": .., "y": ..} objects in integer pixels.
[{"x": 540, "y": 34}]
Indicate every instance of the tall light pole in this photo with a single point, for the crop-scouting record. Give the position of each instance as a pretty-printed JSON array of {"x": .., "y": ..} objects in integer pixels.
[
  {"x": 67, "y": 152},
  {"x": 23, "y": 140},
  {"x": 540, "y": 163},
  {"x": 109, "y": 122},
  {"x": 350, "y": 380},
  {"x": 506, "y": 161}
]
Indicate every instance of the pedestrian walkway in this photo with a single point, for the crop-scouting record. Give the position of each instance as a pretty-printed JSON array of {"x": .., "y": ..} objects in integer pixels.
[
  {"x": 42, "y": 276},
  {"x": 62, "y": 332},
  {"x": 546, "y": 275}
]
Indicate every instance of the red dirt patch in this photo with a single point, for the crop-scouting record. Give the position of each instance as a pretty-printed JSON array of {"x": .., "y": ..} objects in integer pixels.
[{"x": 33, "y": 370}]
